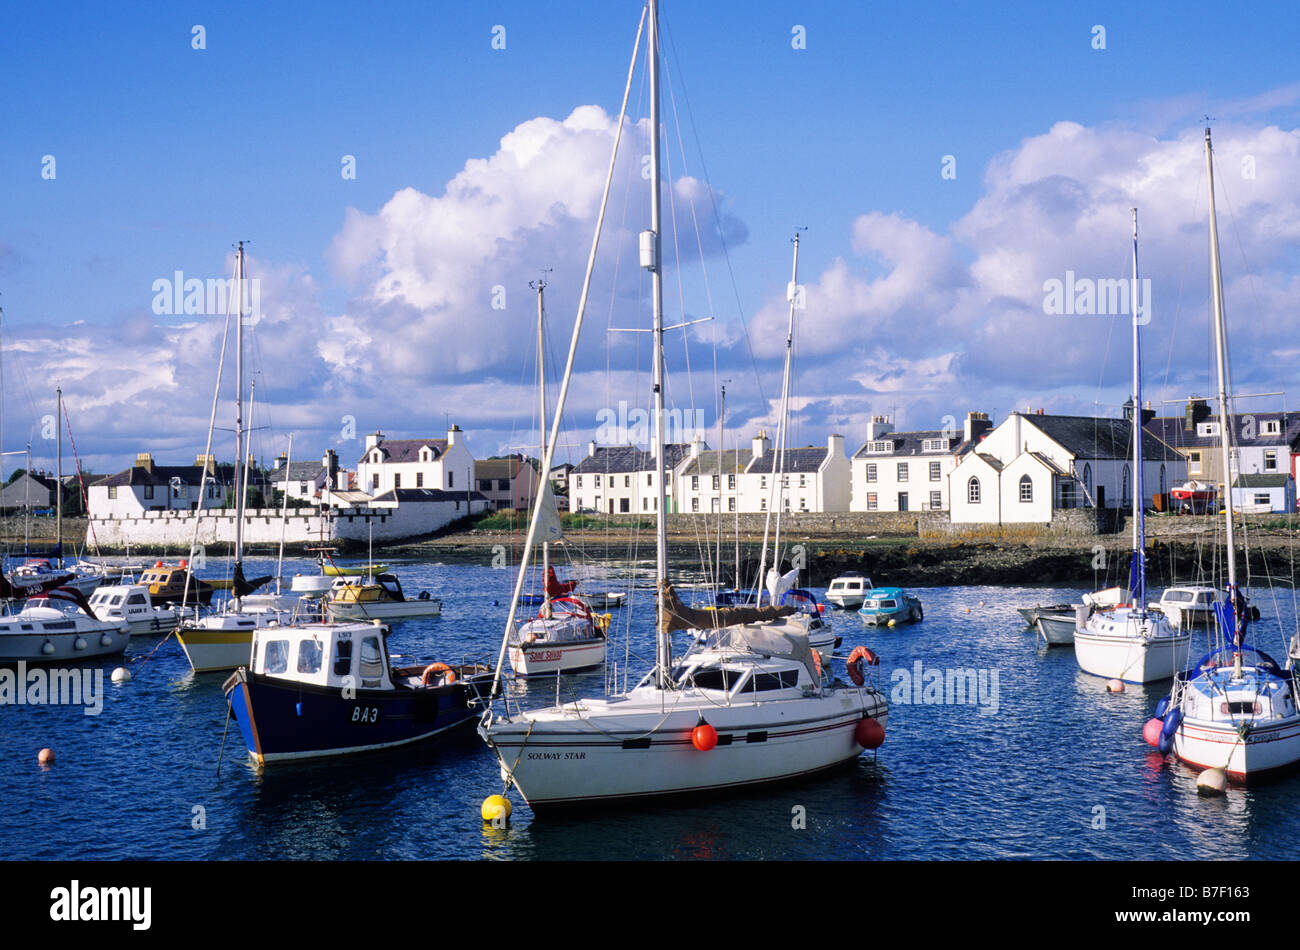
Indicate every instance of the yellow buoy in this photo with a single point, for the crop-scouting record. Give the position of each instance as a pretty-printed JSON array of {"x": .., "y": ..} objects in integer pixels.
[
  {"x": 1212, "y": 782},
  {"x": 893, "y": 623},
  {"x": 967, "y": 610},
  {"x": 496, "y": 809}
]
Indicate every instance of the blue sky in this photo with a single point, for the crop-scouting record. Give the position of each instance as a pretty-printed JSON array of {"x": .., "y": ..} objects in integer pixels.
[{"x": 922, "y": 289}]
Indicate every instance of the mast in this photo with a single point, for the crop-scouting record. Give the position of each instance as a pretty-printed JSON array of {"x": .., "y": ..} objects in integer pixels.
[
  {"x": 776, "y": 493},
  {"x": 651, "y": 245},
  {"x": 540, "y": 285},
  {"x": 1220, "y": 358},
  {"x": 1139, "y": 594},
  {"x": 58, "y": 480},
  {"x": 240, "y": 471},
  {"x": 722, "y": 417},
  {"x": 284, "y": 515}
]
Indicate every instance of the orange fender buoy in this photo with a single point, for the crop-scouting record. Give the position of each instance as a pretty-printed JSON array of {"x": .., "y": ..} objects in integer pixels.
[
  {"x": 704, "y": 737},
  {"x": 869, "y": 733}
]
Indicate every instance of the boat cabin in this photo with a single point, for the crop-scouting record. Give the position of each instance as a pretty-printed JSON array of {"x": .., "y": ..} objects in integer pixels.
[
  {"x": 850, "y": 584},
  {"x": 381, "y": 588},
  {"x": 339, "y": 656},
  {"x": 122, "y": 602},
  {"x": 774, "y": 678}
]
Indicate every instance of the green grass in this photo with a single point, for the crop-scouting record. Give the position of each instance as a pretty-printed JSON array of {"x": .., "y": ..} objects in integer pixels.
[{"x": 516, "y": 521}]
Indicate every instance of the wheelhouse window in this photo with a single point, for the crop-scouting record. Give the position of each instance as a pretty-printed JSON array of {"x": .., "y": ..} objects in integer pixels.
[
  {"x": 277, "y": 656},
  {"x": 309, "y": 656},
  {"x": 780, "y": 679},
  {"x": 343, "y": 658},
  {"x": 371, "y": 662}
]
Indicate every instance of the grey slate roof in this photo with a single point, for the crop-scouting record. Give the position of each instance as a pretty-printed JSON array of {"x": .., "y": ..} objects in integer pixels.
[
  {"x": 1173, "y": 430},
  {"x": 1262, "y": 481},
  {"x": 163, "y": 474},
  {"x": 733, "y": 462},
  {"x": 299, "y": 472},
  {"x": 496, "y": 468},
  {"x": 993, "y": 463},
  {"x": 909, "y": 443},
  {"x": 806, "y": 459},
  {"x": 625, "y": 459},
  {"x": 406, "y": 450},
  {"x": 1089, "y": 437}
]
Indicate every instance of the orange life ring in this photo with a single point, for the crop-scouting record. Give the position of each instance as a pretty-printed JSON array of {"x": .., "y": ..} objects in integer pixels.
[
  {"x": 817, "y": 662},
  {"x": 438, "y": 668},
  {"x": 856, "y": 659}
]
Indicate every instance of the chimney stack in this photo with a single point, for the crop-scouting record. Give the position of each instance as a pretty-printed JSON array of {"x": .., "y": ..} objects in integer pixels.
[
  {"x": 145, "y": 461},
  {"x": 761, "y": 443},
  {"x": 977, "y": 423}
]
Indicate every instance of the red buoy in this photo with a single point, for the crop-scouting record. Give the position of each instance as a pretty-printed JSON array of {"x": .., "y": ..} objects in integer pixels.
[
  {"x": 704, "y": 737},
  {"x": 159, "y": 564},
  {"x": 869, "y": 733},
  {"x": 1151, "y": 731}
]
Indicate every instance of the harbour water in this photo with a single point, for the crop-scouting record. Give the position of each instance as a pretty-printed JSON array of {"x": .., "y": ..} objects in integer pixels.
[{"x": 1041, "y": 762}]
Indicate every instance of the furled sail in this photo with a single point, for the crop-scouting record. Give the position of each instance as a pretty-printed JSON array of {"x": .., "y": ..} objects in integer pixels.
[{"x": 677, "y": 616}]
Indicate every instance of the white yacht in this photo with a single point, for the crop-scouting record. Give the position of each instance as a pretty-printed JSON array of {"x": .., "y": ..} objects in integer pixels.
[
  {"x": 58, "y": 626},
  {"x": 132, "y": 603},
  {"x": 849, "y": 590}
]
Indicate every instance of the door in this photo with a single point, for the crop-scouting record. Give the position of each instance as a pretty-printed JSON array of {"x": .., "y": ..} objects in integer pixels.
[
  {"x": 902, "y": 501},
  {"x": 611, "y": 506},
  {"x": 1101, "y": 496}
]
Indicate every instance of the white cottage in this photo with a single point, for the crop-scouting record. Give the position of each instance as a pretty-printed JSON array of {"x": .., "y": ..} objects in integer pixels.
[
  {"x": 908, "y": 471},
  {"x": 1033, "y": 464},
  {"x": 146, "y": 486},
  {"x": 815, "y": 478},
  {"x": 389, "y": 464},
  {"x": 623, "y": 479}
]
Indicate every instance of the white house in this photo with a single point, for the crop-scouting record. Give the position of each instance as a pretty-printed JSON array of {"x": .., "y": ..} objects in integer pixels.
[
  {"x": 623, "y": 479},
  {"x": 146, "y": 486},
  {"x": 815, "y": 479},
  {"x": 908, "y": 471},
  {"x": 710, "y": 480},
  {"x": 416, "y": 463},
  {"x": 1028, "y": 466},
  {"x": 1264, "y": 493},
  {"x": 309, "y": 481}
]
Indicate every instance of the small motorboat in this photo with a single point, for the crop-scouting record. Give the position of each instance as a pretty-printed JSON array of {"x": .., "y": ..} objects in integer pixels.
[
  {"x": 1190, "y": 608},
  {"x": 167, "y": 585},
  {"x": 352, "y": 570},
  {"x": 132, "y": 603},
  {"x": 1030, "y": 614},
  {"x": 608, "y": 600},
  {"x": 57, "y": 626},
  {"x": 1056, "y": 625},
  {"x": 326, "y": 689},
  {"x": 378, "y": 598},
  {"x": 1194, "y": 498},
  {"x": 887, "y": 606},
  {"x": 849, "y": 590}
]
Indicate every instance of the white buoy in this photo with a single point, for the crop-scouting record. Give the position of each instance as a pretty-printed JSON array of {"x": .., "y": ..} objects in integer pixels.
[
  {"x": 1212, "y": 782},
  {"x": 1114, "y": 686},
  {"x": 981, "y": 603},
  {"x": 121, "y": 675}
]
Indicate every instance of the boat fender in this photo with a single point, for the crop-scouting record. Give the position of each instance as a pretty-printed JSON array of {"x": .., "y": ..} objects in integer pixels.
[
  {"x": 817, "y": 662},
  {"x": 1253, "y": 613},
  {"x": 1172, "y": 722},
  {"x": 105, "y": 641},
  {"x": 47, "y": 647},
  {"x": 1162, "y": 708},
  {"x": 859, "y": 656},
  {"x": 448, "y": 674},
  {"x": 79, "y": 644},
  {"x": 869, "y": 733},
  {"x": 1151, "y": 732}
]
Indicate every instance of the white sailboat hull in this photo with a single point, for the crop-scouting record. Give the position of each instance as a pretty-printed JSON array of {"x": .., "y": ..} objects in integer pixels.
[
  {"x": 1265, "y": 748},
  {"x": 1118, "y": 644},
  {"x": 602, "y": 754},
  {"x": 541, "y": 659},
  {"x": 1057, "y": 630}
]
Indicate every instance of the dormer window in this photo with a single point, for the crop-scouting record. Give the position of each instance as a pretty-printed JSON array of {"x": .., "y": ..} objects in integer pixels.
[
  {"x": 934, "y": 445},
  {"x": 1208, "y": 429},
  {"x": 1272, "y": 427},
  {"x": 882, "y": 446}
]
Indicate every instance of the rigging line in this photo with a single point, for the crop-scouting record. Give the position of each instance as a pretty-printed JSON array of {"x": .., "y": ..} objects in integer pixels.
[
  {"x": 81, "y": 481},
  {"x": 717, "y": 219}
]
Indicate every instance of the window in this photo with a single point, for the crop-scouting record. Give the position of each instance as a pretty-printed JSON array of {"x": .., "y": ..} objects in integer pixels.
[
  {"x": 762, "y": 482},
  {"x": 419, "y": 479},
  {"x": 1162, "y": 480},
  {"x": 627, "y": 481},
  {"x": 1272, "y": 427},
  {"x": 902, "y": 471},
  {"x": 882, "y": 446},
  {"x": 645, "y": 504},
  {"x": 715, "y": 678},
  {"x": 695, "y": 483},
  {"x": 597, "y": 481},
  {"x": 343, "y": 658},
  {"x": 277, "y": 656},
  {"x": 1087, "y": 479},
  {"x": 731, "y": 503},
  {"x": 112, "y": 491},
  {"x": 1208, "y": 428},
  {"x": 302, "y": 488},
  {"x": 1026, "y": 488},
  {"x": 973, "y": 491},
  {"x": 577, "y": 481},
  {"x": 731, "y": 482},
  {"x": 133, "y": 599},
  {"x": 934, "y": 445},
  {"x": 148, "y": 491},
  {"x": 1066, "y": 494},
  {"x": 762, "y": 504},
  {"x": 650, "y": 478},
  {"x": 374, "y": 482},
  {"x": 871, "y": 472},
  {"x": 451, "y": 479},
  {"x": 802, "y": 482},
  {"x": 717, "y": 483},
  {"x": 624, "y": 504},
  {"x": 397, "y": 479},
  {"x": 1262, "y": 498},
  {"x": 1270, "y": 460},
  {"x": 871, "y": 501},
  {"x": 936, "y": 471},
  {"x": 936, "y": 500},
  {"x": 1193, "y": 462},
  {"x": 371, "y": 663},
  {"x": 212, "y": 491},
  {"x": 309, "y": 656},
  {"x": 695, "y": 504},
  {"x": 781, "y": 679}
]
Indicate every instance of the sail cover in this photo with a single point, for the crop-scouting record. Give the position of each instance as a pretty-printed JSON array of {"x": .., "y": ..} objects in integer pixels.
[{"x": 677, "y": 616}]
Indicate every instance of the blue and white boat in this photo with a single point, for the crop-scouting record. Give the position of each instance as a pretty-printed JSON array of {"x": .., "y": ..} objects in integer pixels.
[
  {"x": 886, "y": 606},
  {"x": 324, "y": 689},
  {"x": 820, "y": 635}
]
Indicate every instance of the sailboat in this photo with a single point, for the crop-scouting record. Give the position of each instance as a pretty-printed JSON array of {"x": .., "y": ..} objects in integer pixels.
[
  {"x": 222, "y": 641},
  {"x": 1237, "y": 710},
  {"x": 751, "y": 706},
  {"x": 565, "y": 636},
  {"x": 1133, "y": 641}
]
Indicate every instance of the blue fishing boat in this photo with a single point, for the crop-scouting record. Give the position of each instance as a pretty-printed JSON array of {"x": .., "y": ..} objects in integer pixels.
[
  {"x": 323, "y": 689},
  {"x": 886, "y": 606}
]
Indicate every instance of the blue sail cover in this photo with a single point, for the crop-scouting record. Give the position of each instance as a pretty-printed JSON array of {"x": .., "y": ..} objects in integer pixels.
[
  {"x": 1136, "y": 573},
  {"x": 1225, "y": 613}
]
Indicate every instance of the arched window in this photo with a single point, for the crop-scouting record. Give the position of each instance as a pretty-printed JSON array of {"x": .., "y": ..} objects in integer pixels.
[
  {"x": 973, "y": 490},
  {"x": 1162, "y": 479},
  {"x": 1087, "y": 478},
  {"x": 1026, "y": 488},
  {"x": 1124, "y": 492}
]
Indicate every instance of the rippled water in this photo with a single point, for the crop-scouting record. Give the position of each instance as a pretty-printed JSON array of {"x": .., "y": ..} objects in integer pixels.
[{"x": 1038, "y": 778}]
